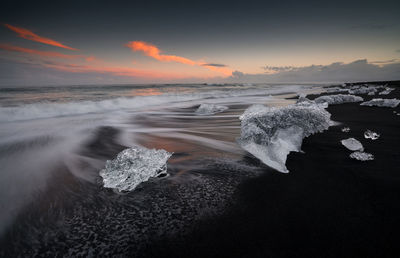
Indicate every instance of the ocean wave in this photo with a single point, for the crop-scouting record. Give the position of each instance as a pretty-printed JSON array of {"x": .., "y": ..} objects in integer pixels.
[{"x": 42, "y": 110}]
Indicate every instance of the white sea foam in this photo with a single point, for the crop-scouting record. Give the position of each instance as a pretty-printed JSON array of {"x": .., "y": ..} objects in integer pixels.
[
  {"x": 42, "y": 110},
  {"x": 134, "y": 166},
  {"x": 382, "y": 103},
  {"x": 270, "y": 134}
]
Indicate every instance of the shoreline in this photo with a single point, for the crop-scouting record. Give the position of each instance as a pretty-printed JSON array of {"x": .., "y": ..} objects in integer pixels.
[
  {"x": 224, "y": 203},
  {"x": 327, "y": 206}
]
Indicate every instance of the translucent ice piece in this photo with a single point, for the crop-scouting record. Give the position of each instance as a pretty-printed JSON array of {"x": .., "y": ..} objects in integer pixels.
[
  {"x": 362, "y": 156},
  {"x": 134, "y": 166},
  {"x": 352, "y": 144},
  {"x": 371, "y": 135},
  {"x": 210, "y": 109}
]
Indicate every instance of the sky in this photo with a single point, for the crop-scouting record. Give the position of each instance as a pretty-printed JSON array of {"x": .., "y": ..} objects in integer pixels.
[{"x": 118, "y": 42}]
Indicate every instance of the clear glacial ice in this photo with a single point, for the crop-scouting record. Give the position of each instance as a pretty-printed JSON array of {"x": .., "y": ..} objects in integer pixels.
[
  {"x": 346, "y": 129},
  {"x": 210, "y": 109},
  {"x": 371, "y": 135},
  {"x": 386, "y": 91},
  {"x": 271, "y": 133},
  {"x": 133, "y": 166},
  {"x": 382, "y": 103},
  {"x": 338, "y": 99},
  {"x": 362, "y": 156},
  {"x": 368, "y": 89},
  {"x": 352, "y": 144}
]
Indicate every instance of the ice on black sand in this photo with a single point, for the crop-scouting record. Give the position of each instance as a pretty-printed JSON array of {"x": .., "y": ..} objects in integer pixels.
[
  {"x": 352, "y": 144},
  {"x": 133, "y": 166},
  {"x": 371, "y": 135},
  {"x": 362, "y": 156}
]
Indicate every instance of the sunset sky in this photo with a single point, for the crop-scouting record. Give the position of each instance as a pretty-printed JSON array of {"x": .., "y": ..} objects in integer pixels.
[{"x": 148, "y": 42}]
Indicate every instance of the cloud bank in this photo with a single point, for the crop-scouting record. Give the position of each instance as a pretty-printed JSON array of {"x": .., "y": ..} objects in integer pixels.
[{"x": 359, "y": 70}]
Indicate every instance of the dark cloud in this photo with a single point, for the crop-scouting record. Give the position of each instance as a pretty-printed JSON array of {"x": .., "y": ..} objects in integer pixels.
[
  {"x": 278, "y": 68},
  {"x": 237, "y": 74},
  {"x": 215, "y": 65},
  {"x": 359, "y": 70},
  {"x": 385, "y": 61}
]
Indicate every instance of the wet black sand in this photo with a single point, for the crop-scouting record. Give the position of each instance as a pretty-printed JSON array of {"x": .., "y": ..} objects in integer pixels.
[{"x": 327, "y": 206}]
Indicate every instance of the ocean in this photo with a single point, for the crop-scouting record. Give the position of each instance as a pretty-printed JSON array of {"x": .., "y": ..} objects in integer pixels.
[{"x": 55, "y": 140}]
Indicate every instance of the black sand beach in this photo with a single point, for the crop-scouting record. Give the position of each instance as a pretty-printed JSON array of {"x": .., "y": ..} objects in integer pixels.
[{"x": 327, "y": 206}]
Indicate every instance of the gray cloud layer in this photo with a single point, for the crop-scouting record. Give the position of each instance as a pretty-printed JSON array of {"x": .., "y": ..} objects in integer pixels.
[
  {"x": 216, "y": 65},
  {"x": 359, "y": 70}
]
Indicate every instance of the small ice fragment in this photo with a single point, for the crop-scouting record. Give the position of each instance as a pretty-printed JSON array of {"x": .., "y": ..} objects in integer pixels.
[
  {"x": 387, "y": 91},
  {"x": 133, "y": 166},
  {"x": 352, "y": 144},
  {"x": 338, "y": 99},
  {"x": 346, "y": 129},
  {"x": 370, "y": 90},
  {"x": 362, "y": 156},
  {"x": 382, "y": 103},
  {"x": 210, "y": 109},
  {"x": 371, "y": 135}
]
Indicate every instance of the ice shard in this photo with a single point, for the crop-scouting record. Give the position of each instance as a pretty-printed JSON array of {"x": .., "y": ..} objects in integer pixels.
[{"x": 133, "y": 166}]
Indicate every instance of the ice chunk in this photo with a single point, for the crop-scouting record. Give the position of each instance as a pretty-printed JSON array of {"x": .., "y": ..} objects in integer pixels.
[
  {"x": 303, "y": 101},
  {"x": 364, "y": 90},
  {"x": 133, "y": 166},
  {"x": 210, "y": 109},
  {"x": 270, "y": 133},
  {"x": 362, "y": 156},
  {"x": 336, "y": 89},
  {"x": 371, "y": 135},
  {"x": 346, "y": 129},
  {"x": 386, "y": 91},
  {"x": 382, "y": 103},
  {"x": 352, "y": 144},
  {"x": 338, "y": 99}
]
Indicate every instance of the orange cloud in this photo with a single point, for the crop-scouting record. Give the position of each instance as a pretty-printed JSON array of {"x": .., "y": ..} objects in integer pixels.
[
  {"x": 27, "y": 34},
  {"x": 43, "y": 53},
  {"x": 154, "y": 52}
]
